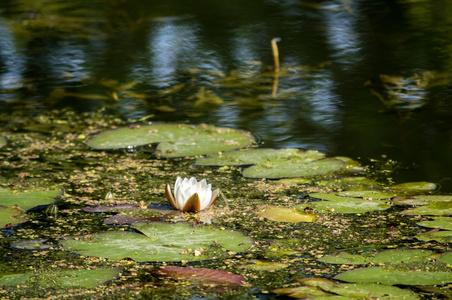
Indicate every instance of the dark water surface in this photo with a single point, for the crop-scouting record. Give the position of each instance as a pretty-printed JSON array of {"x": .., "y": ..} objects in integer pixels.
[{"x": 358, "y": 78}]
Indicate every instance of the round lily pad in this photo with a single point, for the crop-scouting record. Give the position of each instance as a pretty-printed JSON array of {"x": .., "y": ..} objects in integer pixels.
[
  {"x": 415, "y": 187},
  {"x": 366, "y": 194},
  {"x": 11, "y": 216},
  {"x": 441, "y": 208},
  {"x": 294, "y": 169},
  {"x": 176, "y": 140},
  {"x": 14, "y": 279},
  {"x": 345, "y": 259},
  {"x": 3, "y": 141},
  {"x": 423, "y": 200},
  {"x": 40, "y": 244},
  {"x": 405, "y": 274},
  {"x": 346, "y": 290},
  {"x": 258, "y": 265},
  {"x": 27, "y": 200},
  {"x": 344, "y": 205},
  {"x": 66, "y": 278},
  {"x": 438, "y": 222},
  {"x": 258, "y": 156},
  {"x": 284, "y": 214},
  {"x": 159, "y": 242},
  {"x": 439, "y": 236},
  {"x": 402, "y": 256}
]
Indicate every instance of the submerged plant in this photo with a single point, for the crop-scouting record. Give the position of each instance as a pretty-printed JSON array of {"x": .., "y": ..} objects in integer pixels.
[{"x": 191, "y": 195}]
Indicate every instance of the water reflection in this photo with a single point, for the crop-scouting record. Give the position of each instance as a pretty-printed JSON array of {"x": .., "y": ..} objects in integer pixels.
[{"x": 211, "y": 62}]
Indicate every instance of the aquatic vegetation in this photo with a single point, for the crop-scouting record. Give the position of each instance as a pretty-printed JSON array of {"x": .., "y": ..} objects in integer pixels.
[
  {"x": 114, "y": 214},
  {"x": 275, "y": 164},
  {"x": 159, "y": 241},
  {"x": 191, "y": 195},
  {"x": 64, "y": 278},
  {"x": 175, "y": 140},
  {"x": 284, "y": 214},
  {"x": 3, "y": 141}
]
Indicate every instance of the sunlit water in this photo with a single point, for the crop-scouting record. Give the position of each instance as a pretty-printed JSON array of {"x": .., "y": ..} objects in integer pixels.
[{"x": 358, "y": 78}]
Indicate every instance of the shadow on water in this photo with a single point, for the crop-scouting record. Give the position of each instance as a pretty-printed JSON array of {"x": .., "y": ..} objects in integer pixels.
[{"x": 361, "y": 79}]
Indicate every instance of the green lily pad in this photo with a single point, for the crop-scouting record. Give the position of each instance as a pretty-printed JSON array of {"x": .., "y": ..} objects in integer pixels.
[
  {"x": 402, "y": 256},
  {"x": 11, "y": 216},
  {"x": 87, "y": 278},
  {"x": 404, "y": 274},
  {"x": 359, "y": 290},
  {"x": 423, "y": 200},
  {"x": 366, "y": 194},
  {"x": 439, "y": 236},
  {"x": 366, "y": 290},
  {"x": 343, "y": 205},
  {"x": 3, "y": 141},
  {"x": 39, "y": 244},
  {"x": 302, "y": 292},
  {"x": 159, "y": 242},
  {"x": 294, "y": 169},
  {"x": 66, "y": 278},
  {"x": 344, "y": 258},
  {"x": 446, "y": 258},
  {"x": 14, "y": 279},
  {"x": 27, "y": 200},
  {"x": 438, "y": 222},
  {"x": 176, "y": 140},
  {"x": 258, "y": 265},
  {"x": 350, "y": 183},
  {"x": 415, "y": 187},
  {"x": 284, "y": 214},
  {"x": 257, "y": 156},
  {"x": 431, "y": 209}
]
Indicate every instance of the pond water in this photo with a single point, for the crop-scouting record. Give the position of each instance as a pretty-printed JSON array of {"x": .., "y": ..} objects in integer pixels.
[
  {"x": 358, "y": 78},
  {"x": 368, "y": 80}
]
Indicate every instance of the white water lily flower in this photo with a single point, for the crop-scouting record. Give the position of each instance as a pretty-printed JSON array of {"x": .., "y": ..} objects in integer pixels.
[{"x": 191, "y": 195}]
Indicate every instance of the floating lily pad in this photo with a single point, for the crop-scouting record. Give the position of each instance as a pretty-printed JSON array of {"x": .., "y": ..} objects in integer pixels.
[
  {"x": 402, "y": 256},
  {"x": 66, "y": 278},
  {"x": 344, "y": 258},
  {"x": 303, "y": 292},
  {"x": 284, "y": 214},
  {"x": 366, "y": 194},
  {"x": 27, "y": 200},
  {"x": 11, "y": 216},
  {"x": 352, "y": 183},
  {"x": 294, "y": 169},
  {"x": 432, "y": 209},
  {"x": 176, "y": 140},
  {"x": 320, "y": 287},
  {"x": 423, "y": 200},
  {"x": 415, "y": 187},
  {"x": 40, "y": 244},
  {"x": 404, "y": 274},
  {"x": 364, "y": 290},
  {"x": 439, "y": 236},
  {"x": 258, "y": 156},
  {"x": 438, "y": 222},
  {"x": 87, "y": 278},
  {"x": 3, "y": 141},
  {"x": 14, "y": 279},
  {"x": 344, "y": 205},
  {"x": 351, "y": 166},
  {"x": 446, "y": 258},
  {"x": 159, "y": 242},
  {"x": 268, "y": 266}
]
